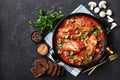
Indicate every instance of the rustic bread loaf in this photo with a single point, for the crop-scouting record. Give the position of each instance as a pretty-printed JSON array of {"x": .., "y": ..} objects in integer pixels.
[
  {"x": 43, "y": 62},
  {"x": 51, "y": 67},
  {"x": 54, "y": 72},
  {"x": 58, "y": 71},
  {"x": 43, "y": 66},
  {"x": 38, "y": 71},
  {"x": 62, "y": 71}
]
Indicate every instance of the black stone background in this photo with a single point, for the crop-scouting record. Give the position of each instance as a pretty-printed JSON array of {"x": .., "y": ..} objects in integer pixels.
[{"x": 17, "y": 51}]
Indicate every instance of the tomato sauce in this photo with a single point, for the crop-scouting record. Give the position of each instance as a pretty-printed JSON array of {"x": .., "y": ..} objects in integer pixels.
[{"x": 79, "y": 40}]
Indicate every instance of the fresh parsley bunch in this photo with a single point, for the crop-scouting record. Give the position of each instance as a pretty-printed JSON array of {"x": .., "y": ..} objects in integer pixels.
[{"x": 46, "y": 22}]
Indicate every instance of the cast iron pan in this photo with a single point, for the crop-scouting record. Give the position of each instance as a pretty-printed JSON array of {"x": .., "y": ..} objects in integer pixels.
[{"x": 55, "y": 54}]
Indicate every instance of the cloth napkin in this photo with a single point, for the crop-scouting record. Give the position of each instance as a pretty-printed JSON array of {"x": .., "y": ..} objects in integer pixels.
[{"x": 48, "y": 38}]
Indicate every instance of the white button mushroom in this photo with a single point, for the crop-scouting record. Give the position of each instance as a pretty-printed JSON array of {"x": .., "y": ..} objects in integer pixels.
[
  {"x": 102, "y": 4},
  {"x": 110, "y": 19},
  {"x": 97, "y": 10},
  {"x": 102, "y": 14},
  {"x": 109, "y": 12},
  {"x": 92, "y": 5},
  {"x": 113, "y": 25}
]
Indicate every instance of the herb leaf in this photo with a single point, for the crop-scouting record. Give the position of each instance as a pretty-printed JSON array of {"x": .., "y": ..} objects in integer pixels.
[{"x": 46, "y": 22}]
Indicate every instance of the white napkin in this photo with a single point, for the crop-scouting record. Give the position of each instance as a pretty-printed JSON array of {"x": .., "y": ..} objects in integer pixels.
[{"x": 74, "y": 71}]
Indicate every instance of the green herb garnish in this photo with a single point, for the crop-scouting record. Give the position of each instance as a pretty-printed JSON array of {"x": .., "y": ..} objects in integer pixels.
[
  {"x": 83, "y": 25},
  {"x": 46, "y": 22}
]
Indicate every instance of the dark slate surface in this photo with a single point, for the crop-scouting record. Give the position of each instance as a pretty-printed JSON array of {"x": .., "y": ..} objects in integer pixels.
[{"x": 17, "y": 51}]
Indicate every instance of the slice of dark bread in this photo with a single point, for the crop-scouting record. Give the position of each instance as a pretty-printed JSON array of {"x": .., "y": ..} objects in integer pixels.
[
  {"x": 58, "y": 70},
  {"x": 38, "y": 71},
  {"x": 43, "y": 62},
  {"x": 43, "y": 66},
  {"x": 62, "y": 71},
  {"x": 51, "y": 67},
  {"x": 54, "y": 70}
]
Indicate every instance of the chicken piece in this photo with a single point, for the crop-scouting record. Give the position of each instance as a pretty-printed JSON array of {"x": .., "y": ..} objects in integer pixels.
[
  {"x": 84, "y": 24},
  {"x": 64, "y": 32},
  {"x": 72, "y": 46},
  {"x": 92, "y": 42},
  {"x": 65, "y": 29}
]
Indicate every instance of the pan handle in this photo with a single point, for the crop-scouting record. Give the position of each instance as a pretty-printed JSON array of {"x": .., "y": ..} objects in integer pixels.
[{"x": 54, "y": 56}]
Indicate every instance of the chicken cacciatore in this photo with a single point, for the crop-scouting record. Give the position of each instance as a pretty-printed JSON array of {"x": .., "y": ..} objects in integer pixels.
[{"x": 79, "y": 40}]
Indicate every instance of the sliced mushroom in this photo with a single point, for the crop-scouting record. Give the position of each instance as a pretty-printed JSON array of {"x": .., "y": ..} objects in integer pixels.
[
  {"x": 97, "y": 10},
  {"x": 110, "y": 19},
  {"x": 92, "y": 5},
  {"x": 113, "y": 25},
  {"x": 102, "y": 4},
  {"x": 109, "y": 12},
  {"x": 102, "y": 14}
]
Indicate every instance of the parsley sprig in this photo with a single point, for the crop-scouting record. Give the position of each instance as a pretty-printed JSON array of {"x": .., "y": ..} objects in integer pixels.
[{"x": 46, "y": 22}]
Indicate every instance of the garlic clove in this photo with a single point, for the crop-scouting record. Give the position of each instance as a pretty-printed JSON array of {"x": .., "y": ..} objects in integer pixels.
[
  {"x": 109, "y": 12},
  {"x": 102, "y": 4},
  {"x": 92, "y": 5},
  {"x": 97, "y": 10},
  {"x": 110, "y": 19},
  {"x": 102, "y": 14},
  {"x": 113, "y": 25}
]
